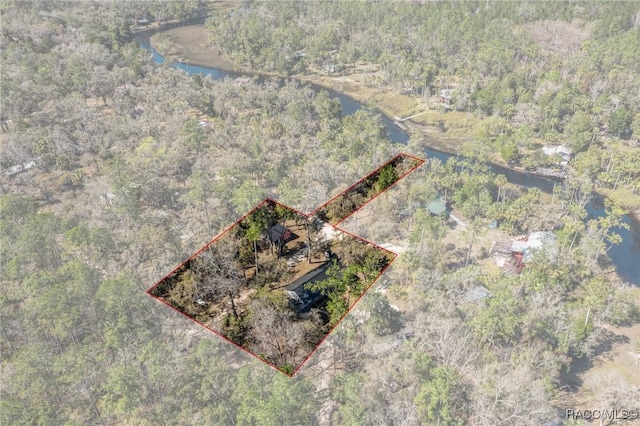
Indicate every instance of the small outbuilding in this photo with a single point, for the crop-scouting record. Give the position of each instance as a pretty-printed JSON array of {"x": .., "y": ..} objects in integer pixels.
[
  {"x": 279, "y": 234},
  {"x": 437, "y": 206},
  {"x": 543, "y": 241},
  {"x": 477, "y": 294}
]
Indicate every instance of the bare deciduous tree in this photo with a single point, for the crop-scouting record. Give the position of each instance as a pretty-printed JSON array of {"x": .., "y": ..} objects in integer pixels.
[{"x": 218, "y": 272}]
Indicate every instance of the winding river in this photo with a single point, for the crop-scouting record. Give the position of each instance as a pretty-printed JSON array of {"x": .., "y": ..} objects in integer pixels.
[{"x": 625, "y": 256}]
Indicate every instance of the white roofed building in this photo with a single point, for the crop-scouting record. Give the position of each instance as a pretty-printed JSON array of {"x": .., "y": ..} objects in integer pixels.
[
  {"x": 514, "y": 254},
  {"x": 565, "y": 152}
]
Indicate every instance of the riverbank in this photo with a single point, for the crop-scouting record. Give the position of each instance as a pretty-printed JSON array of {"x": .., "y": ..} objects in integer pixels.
[
  {"x": 189, "y": 45},
  {"x": 445, "y": 132},
  {"x": 397, "y": 105}
]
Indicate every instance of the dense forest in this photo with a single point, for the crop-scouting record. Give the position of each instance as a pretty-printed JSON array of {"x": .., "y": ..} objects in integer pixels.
[{"x": 116, "y": 169}]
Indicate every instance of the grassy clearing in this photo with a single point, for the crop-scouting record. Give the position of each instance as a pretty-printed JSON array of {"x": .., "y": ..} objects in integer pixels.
[
  {"x": 222, "y": 5},
  {"x": 617, "y": 365},
  {"x": 460, "y": 124},
  {"x": 389, "y": 103},
  {"x": 189, "y": 45}
]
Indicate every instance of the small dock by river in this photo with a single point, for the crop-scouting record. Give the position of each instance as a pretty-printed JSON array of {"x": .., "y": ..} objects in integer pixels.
[{"x": 551, "y": 173}]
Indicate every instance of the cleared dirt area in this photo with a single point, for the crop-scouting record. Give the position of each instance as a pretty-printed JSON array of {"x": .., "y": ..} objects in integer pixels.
[{"x": 611, "y": 379}]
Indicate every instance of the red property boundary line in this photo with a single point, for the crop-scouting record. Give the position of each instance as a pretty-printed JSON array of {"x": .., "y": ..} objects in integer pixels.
[
  {"x": 420, "y": 163},
  {"x": 307, "y": 215},
  {"x": 393, "y": 258}
]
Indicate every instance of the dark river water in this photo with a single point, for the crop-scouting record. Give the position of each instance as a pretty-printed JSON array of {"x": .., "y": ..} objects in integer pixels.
[{"x": 625, "y": 256}]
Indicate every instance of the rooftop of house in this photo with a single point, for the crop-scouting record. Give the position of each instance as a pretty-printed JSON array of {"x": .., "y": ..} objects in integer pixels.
[
  {"x": 543, "y": 241},
  {"x": 557, "y": 149},
  {"x": 437, "y": 206},
  {"x": 477, "y": 294},
  {"x": 278, "y": 232},
  {"x": 446, "y": 93}
]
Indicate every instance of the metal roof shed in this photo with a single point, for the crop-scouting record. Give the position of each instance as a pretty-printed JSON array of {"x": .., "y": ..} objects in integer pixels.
[{"x": 437, "y": 206}]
